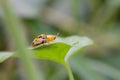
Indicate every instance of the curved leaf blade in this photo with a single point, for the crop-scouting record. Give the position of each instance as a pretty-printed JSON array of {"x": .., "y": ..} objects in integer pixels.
[
  {"x": 60, "y": 50},
  {"x": 55, "y": 52},
  {"x": 77, "y": 43},
  {"x": 5, "y": 55}
]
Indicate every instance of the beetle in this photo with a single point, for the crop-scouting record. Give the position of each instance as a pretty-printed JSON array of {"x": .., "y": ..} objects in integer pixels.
[{"x": 43, "y": 38}]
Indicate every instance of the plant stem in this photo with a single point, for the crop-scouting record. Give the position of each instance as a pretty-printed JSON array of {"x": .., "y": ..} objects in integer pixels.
[
  {"x": 14, "y": 28},
  {"x": 69, "y": 71}
]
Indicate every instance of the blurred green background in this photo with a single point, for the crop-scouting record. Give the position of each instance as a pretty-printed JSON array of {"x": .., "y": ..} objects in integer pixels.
[{"x": 97, "y": 19}]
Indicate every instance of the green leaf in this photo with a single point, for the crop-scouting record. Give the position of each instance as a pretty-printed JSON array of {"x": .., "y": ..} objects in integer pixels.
[
  {"x": 77, "y": 43},
  {"x": 55, "y": 52},
  {"x": 5, "y": 55},
  {"x": 60, "y": 50}
]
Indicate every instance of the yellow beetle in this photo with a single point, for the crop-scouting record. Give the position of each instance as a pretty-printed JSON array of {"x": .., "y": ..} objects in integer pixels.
[{"x": 43, "y": 38}]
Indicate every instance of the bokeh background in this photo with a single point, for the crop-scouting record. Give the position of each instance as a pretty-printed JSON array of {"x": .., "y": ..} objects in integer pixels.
[{"x": 96, "y": 19}]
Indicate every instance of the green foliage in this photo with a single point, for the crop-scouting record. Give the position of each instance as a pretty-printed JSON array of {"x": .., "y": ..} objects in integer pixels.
[
  {"x": 54, "y": 52},
  {"x": 60, "y": 50},
  {"x": 5, "y": 55},
  {"x": 83, "y": 18},
  {"x": 14, "y": 27}
]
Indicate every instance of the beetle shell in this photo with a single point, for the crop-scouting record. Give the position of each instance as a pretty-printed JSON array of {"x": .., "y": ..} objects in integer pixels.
[
  {"x": 43, "y": 38},
  {"x": 50, "y": 38}
]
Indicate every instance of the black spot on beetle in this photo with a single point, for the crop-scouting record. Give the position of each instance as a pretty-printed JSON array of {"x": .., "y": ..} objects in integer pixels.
[{"x": 40, "y": 36}]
